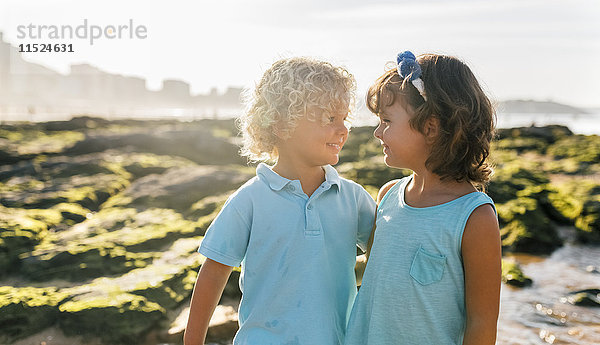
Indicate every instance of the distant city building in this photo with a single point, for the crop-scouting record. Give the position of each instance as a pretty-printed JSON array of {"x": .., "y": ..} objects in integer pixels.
[
  {"x": 177, "y": 90},
  {"x": 34, "y": 89}
]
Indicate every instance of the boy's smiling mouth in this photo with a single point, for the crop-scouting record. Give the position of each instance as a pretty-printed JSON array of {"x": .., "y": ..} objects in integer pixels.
[{"x": 338, "y": 146}]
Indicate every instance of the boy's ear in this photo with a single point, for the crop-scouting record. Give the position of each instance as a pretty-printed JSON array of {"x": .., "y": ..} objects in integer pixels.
[
  {"x": 277, "y": 131},
  {"x": 432, "y": 128}
]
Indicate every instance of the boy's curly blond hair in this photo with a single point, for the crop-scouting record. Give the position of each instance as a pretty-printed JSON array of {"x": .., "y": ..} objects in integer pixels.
[{"x": 289, "y": 89}]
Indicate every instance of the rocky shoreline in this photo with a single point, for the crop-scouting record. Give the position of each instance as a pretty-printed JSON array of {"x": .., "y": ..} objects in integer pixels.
[{"x": 100, "y": 220}]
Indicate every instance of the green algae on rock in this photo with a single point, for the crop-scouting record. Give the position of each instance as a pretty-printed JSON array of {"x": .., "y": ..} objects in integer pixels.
[
  {"x": 512, "y": 177},
  {"x": 87, "y": 191},
  {"x": 81, "y": 262},
  {"x": 20, "y": 231},
  {"x": 585, "y": 298},
  {"x": 71, "y": 213},
  {"x": 143, "y": 164},
  {"x": 115, "y": 240},
  {"x": 550, "y": 134},
  {"x": 578, "y": 201},
  {"x": 35, "y": 141},
  {"x": 583, "y": 148},
  {"x": 119, "y": 318},
  {"x": 208, "y": 205},
  {"x": 361, "y": 145},
  {"x": 372, "y": 172},
  {"x": 525, "y": 227},
  {"x": 127, "y": 255},
  {"x": 27, "y": 310},
  {"x": 522, "y": 144},
  {"x": 196, "y": 144},
  {"x": 513, "y": 275},
  {"x": 180, "y": 188}
]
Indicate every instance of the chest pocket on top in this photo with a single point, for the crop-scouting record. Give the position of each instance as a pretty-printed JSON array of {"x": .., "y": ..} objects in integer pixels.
[{"x": 427, "y": 268}]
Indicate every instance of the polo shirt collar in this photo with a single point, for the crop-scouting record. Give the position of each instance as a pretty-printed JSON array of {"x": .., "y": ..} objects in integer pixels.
[
  {"x": 274, "y": 180},
  {"x": 277, "y": 182},
  {"x": 332, "y": 177}
]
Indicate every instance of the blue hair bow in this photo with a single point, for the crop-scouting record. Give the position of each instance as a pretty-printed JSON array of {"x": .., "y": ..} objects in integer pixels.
[{"x": 408, "y": 67}]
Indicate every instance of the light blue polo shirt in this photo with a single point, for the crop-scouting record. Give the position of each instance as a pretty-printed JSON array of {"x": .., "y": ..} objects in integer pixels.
[{"x": 297, "y": 256}]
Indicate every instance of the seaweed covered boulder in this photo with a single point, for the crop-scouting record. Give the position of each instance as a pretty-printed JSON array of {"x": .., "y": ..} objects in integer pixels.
[
  {"x": 20, "y": 231},
  {"x": 361, "y": 145},
  {"x": 181, "y": 188},
  {"x": 113, "y": 241},
  {"x": 143, "y": 164},
  {"x": 135, "y": 302},
  {"x": 171, "y": 289},
  {"x": 578, "y": 201},
  {"x": 23, "y": 142},
  {"x": 584, "y": 150},
  {"x": 588, "y": 222},
  {"x": 199, "y": 145},
  {"x": 116, "y": 318},
  {"x": 78, "y": 262},
  {"x": 27, "y": 310},
  {"x": 526, "y": 228},
  {"x": 8, "y": 157},
  {"x": 512, "y": 274},
  {"x": 546, "y": 134},
  {"x": 585, "y": 298},
  {"x": 87, "y": 181},
  {"x": 372, "y": 172},
  {"x": 77, "y": 123},
  {"x": 512, "y": 177},
  {"x": 128, "y": 231},
  {"x": 522, "y": 144}
]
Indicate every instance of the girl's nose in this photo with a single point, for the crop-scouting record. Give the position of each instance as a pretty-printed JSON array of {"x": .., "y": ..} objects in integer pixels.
[{"x": 377, "y": 132}]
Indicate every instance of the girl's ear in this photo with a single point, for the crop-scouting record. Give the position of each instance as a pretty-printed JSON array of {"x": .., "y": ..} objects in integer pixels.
[{"x": 432, "y": 128}]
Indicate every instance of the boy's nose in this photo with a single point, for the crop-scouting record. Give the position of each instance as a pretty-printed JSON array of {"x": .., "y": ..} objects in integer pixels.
[{"x": 342, "y": 129}]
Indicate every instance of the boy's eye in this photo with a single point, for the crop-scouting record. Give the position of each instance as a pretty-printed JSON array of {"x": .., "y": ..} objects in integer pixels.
[{"x": 339, "y": 119}]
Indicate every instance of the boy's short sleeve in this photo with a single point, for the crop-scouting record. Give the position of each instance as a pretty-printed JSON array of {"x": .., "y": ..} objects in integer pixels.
[
  {"x": 227, "y": 236},
  {"x": 366, "y": 218}
]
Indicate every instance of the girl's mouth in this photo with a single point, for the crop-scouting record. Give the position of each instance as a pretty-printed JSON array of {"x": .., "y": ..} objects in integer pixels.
[{"x": 385, "y": 148}]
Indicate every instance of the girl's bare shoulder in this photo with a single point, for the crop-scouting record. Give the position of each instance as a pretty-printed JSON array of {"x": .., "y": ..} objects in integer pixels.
[{"x": 385, "y": 188}]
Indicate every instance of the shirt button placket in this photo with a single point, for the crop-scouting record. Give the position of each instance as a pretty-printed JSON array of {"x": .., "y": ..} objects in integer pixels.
[{"x": 312, "y": 221}]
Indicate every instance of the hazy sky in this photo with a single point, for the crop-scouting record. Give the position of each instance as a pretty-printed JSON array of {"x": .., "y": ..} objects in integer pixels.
[{"x": 534, "y": 49}]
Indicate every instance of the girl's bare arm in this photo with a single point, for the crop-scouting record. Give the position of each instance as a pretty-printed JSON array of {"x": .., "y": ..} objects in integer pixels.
[{"x": 482, "y": 254}]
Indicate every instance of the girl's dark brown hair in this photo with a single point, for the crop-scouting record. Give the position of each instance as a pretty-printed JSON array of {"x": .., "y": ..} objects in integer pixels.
[{"x": 465, "y": 114}]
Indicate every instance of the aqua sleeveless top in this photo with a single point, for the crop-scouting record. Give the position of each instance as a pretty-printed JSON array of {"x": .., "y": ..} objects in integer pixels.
[{"x": 413, "y": 288}]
